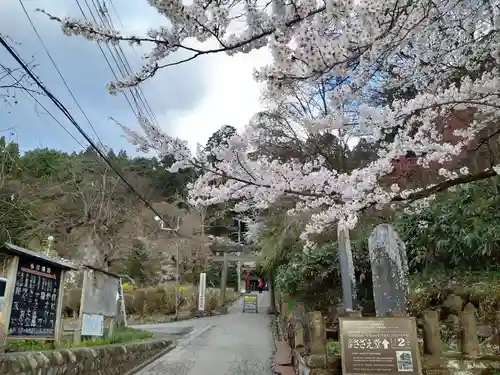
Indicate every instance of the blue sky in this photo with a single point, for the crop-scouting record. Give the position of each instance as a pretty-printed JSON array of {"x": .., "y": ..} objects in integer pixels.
[{"x": 191, "y": 101}]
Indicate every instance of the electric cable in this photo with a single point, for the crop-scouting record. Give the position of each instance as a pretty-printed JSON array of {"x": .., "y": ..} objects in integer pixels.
[
  {"x": 125, "y": 68},
  {"x": 68, "y": 115},
  {"x": 59, "y": 72},
  {"x": 108, "y": 62}
]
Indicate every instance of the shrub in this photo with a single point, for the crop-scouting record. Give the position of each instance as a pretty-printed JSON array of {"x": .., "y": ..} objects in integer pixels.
[
  {"x": 161, "y": 299},
  {"x": 155, "y": 297},
  {"x": 139, "y": 301},
  {"x": 169, "y": 299},
  {"x": 128, "y": 288},
  {"x": 129, "y": 303},
  {"x": 211, "y": 298}
]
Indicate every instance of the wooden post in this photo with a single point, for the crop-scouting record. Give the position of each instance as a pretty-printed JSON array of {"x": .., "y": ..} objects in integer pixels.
[
  {"x": 59, "y": 328},
  {"x": 12, "y": 265},
  {"x": 78, "y": 331},
  {"x": 111, "y": 328}
]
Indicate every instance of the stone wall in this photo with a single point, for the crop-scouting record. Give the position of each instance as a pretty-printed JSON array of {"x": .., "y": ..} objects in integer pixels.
[{"x": 100, "y": 360}]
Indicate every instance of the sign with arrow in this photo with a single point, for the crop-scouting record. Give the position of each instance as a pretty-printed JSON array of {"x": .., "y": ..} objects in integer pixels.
[
  {"x": 385, "y": 343},
  {"x": 379, "y": 346}
]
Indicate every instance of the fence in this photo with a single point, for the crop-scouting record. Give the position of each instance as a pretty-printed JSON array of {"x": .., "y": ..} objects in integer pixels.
[{"x": 306, "y": 335}]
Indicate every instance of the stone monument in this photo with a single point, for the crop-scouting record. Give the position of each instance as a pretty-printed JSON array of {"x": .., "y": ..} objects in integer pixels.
[{"x": 389, "y": 270}]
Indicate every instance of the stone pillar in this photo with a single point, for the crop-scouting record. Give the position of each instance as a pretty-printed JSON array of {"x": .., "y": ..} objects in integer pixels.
[
  {"x": 346, "y": 265},
  {"x": 272, "y": 295},
  {"x": 223, "y": 281},
  {"x": 432, "y": 336},
  {"x": 298, "y": 321},
  {"x": 469, "y": 342},
  {"x": 317, "y": 337},
  {"x": 389, "y": 270}
]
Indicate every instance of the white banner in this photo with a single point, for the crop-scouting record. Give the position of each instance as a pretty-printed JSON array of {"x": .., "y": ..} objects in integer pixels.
[
  {"x": 92, "y": 325},
  {"x": 202, "y": 291}
]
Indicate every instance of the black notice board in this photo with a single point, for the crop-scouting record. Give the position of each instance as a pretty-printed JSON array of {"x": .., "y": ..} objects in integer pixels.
[{"x": 34, "y": 305}]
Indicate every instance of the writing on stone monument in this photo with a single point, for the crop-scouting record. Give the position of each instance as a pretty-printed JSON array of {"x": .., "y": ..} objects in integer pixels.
[{"x": 389, "y": 265}]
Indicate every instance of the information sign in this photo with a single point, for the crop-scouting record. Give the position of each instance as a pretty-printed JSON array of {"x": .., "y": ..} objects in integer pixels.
[
  {"x": 92, "y": 325},
  {"x": 379, "y": 346},
  {"x": 250, "y": 303},
  {"x": 202, "y": 291},
  {"x": 34, "y": 303}
]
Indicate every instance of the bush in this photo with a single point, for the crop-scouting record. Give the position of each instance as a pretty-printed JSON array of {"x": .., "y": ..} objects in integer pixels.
[
  {"x": 155, "y": 297},
  {"x": 161, "y": 299},
  {"x": 169, "y": 299},
  {"x": 211, "y": 298},
  {"x": 128, "y": 288},
  {"x": 139, "y": 301},
  {"x": 129, "y": 303}
]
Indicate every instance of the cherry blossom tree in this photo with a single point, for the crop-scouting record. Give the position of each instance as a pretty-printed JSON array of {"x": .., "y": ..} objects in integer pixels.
[{"x": 436, "y": 62}]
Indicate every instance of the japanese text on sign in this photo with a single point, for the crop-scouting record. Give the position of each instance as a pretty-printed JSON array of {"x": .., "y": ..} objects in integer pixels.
[{"x": 34, "y": 304}]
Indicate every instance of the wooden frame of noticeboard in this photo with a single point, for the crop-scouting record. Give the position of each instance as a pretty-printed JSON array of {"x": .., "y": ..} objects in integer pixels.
[{"x": 42, "y": 288}]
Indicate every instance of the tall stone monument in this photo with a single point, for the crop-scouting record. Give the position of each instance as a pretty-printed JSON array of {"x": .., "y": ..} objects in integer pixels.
[
  {"x": 347, "y": 274},
  {"x": 389, "y": 265}
]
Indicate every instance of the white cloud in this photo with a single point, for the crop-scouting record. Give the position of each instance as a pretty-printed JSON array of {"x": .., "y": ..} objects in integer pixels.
[
  {"x": 190, "y": 101},
  {"x": 233, "y": 97}
]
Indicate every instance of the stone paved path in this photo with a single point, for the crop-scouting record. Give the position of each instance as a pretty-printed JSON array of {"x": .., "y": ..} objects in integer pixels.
[{"x": 234, "y": 344}]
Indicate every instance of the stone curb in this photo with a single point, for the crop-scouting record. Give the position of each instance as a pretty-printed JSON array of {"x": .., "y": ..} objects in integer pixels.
[{"x": 138, "y": 368}]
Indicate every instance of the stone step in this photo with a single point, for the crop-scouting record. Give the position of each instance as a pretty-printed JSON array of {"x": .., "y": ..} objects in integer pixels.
[{"x": 283, "y": 353}]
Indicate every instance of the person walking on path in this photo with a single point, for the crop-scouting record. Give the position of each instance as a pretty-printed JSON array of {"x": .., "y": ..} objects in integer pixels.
[{"x": 261, "y": 285}]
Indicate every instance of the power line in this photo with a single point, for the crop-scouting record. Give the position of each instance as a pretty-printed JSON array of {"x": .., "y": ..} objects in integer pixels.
[
  {"x": 28, "y": 92},
  {"x": 122, "y": 68},
  {"x": 68, "y": 115},
  {"x": 58, "y": 71},
  {"x": 107, "y": 61},
  {"x": 138, "y": 95}
]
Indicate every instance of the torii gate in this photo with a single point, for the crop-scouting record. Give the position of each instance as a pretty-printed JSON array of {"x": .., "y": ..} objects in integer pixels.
[{"x": 228, "y": 251}]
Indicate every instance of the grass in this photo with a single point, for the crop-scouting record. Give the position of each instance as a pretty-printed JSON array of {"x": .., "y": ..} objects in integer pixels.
[
  {"x": 333, "y": 347},
  {"x": 120, "y": 335}
]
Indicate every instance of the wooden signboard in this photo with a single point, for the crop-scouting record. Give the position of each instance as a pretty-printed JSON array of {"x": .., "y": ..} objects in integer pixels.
[
  {"x": 35, "y": 299},
  {"x": 250, "y": 303},
  {"x": 33, "y": 295},
  {"x": 379, "y": 346}
]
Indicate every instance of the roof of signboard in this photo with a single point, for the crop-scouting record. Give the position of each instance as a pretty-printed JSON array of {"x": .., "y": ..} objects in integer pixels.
[
  {"x": 100, "y": 270},
  {"x": 11, "y": 249}
]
